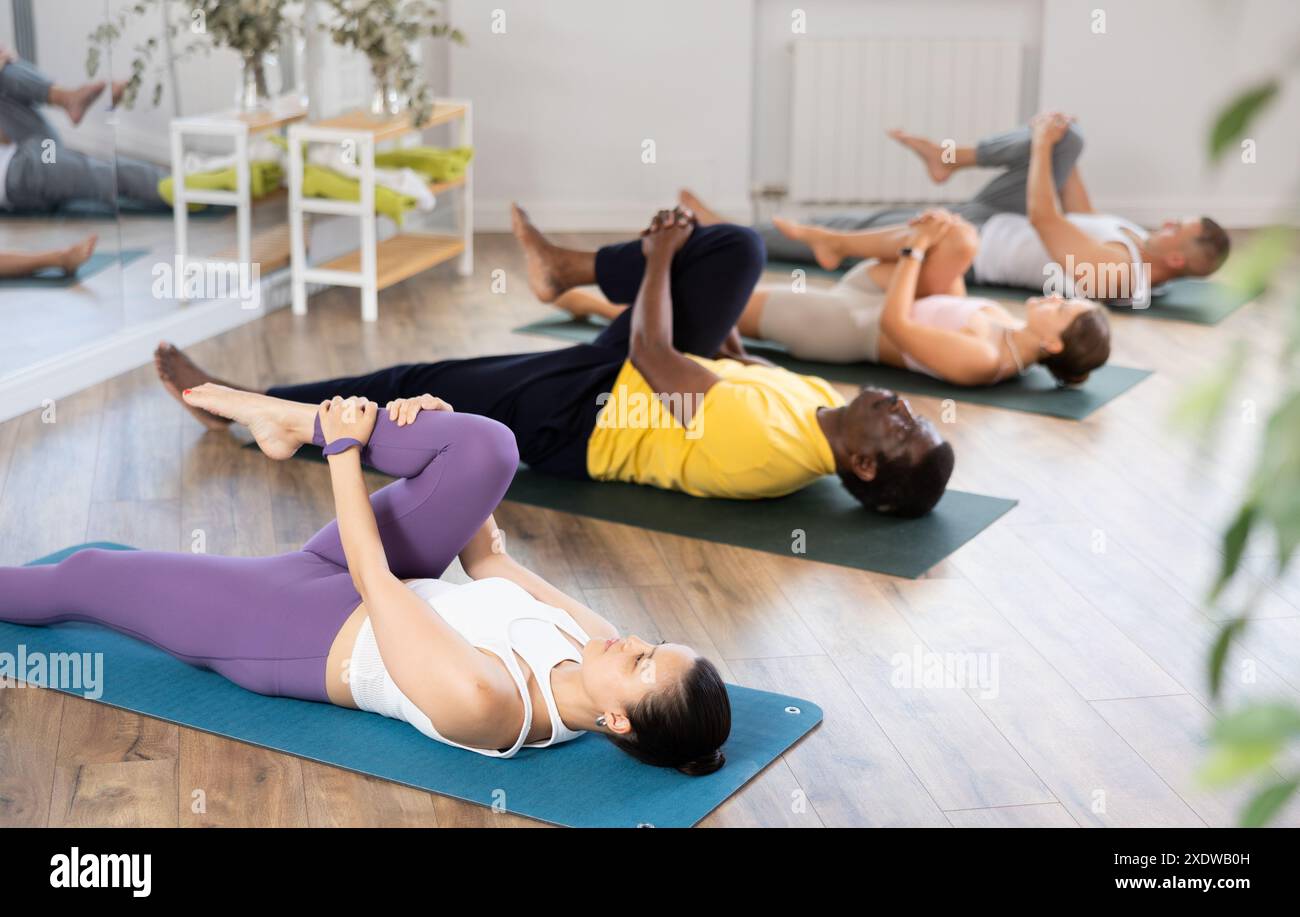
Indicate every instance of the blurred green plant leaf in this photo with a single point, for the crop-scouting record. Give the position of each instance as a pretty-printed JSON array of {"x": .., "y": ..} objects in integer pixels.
[
  {"x": 1229, "y": 763},
  {"x": 1268, "y": 802},
  {"x": 1234, "y": 119},
  {"x": 1260, "y": 723},
  {"x": 1254, "y": 266},
  {"x": 1219, "y": 653}
]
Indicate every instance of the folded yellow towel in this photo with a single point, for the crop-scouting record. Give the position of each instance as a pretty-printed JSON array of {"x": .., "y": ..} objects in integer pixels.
[
  {"x": 437, "y": 164},
  {"x": 264, "y": 176},
  {"x": 321, "y": 182}
]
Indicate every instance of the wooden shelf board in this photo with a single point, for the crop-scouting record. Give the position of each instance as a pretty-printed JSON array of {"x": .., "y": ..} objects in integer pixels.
[
  {"x": 402, "y": 256},
  {"x": 390, "y": 128}
]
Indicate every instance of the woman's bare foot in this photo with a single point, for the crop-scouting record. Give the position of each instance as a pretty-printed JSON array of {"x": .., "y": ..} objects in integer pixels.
[
  {"x": 930, "y": 152},
  {"x": 76, "y": 101},
  {"x": 824, "y": 243},
  {"x": 551, "y": 270},
  {"x": 178, "y": 373},
  {"x": 581, "y": 303},
  {"x": 74, "y": 256},
  {"x": 706, "y": 215},
  {"x": 279, "y": 427}
]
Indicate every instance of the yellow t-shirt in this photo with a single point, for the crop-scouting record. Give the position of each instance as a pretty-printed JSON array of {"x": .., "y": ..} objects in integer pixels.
[{"x": 754, "y": 435}]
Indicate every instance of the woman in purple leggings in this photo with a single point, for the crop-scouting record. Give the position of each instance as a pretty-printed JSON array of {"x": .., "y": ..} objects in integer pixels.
[{"x": 359, "y": 618}]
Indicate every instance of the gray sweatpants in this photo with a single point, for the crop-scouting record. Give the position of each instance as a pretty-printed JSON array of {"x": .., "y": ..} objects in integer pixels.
[
  {"x": 44, "y": 172},
  {"x": 1005, "y": 192}
]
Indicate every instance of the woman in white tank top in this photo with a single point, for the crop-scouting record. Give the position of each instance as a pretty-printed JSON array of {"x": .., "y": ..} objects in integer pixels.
[
  {"x": 911, "y": 311},
  {"x": 503, "y": 662}
]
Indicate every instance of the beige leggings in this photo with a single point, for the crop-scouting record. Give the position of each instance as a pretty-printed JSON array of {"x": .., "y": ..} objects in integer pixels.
[{"x": 836, "y": 325}]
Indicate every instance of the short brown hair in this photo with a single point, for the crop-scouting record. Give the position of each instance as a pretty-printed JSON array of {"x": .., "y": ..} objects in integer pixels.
[
  {"x": 1086, "y": 343},
  {"x": 1212, "y": 245}
]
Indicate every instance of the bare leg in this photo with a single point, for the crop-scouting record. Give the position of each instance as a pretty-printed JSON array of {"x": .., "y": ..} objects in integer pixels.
[
  {"x": 831, "y": 247},
  {"x": 280, "y": 427},
  {"x": 551, "y": 269},
  {"x": 937, "y": 164},
  {"x": 581, "y": 303},
  {"x": 76, "y": 101},
  {"x": 24, "y": 264},
  {"x": 179, "y": 373},
  {"x": 702, "y": 211}
]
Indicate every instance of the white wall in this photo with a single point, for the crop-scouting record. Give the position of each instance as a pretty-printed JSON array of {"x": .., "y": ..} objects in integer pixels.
[
  {"x": 564, "y": 99},
  {"x": 941, "y": 19},
  {"x": 1146, "y": 93}
]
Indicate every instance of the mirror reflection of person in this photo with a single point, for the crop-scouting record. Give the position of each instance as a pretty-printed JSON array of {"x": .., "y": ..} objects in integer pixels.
[
  {"x": 38, "y": 171},
  {"x": 66, "y": 259}
]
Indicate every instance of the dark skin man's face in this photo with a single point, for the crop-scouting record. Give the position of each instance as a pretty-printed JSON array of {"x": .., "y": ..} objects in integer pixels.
[{"x": 878, "y": 422}]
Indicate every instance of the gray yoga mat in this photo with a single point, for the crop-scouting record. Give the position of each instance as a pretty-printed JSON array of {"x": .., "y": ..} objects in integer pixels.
[
  {"x": 583, "y": 783},
  {"x": 51, "y": 278},
  {"x": 823, "y": 519},
  {"x": 1036, "y": 392},
  {"x": 1187, "y": 299}
]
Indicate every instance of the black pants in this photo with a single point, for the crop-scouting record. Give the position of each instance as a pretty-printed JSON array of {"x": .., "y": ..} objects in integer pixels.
[{"x": 549, "y": 399}]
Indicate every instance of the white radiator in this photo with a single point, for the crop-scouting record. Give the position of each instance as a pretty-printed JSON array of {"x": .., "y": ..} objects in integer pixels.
[{"x": 847, "y": 92}]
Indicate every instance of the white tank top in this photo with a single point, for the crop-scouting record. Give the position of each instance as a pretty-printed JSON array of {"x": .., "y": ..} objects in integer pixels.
[
  {"x": 497, "y": 615},
  {"x": 1011, "y": 253}
]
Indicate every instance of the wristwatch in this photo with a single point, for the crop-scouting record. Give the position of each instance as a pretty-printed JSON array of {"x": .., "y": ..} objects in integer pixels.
[{"x": 916, "y": 254}]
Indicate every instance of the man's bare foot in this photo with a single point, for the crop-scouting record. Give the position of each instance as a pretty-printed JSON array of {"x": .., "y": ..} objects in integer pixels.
[
  {"x": 930, "y": 152},
  {"x": 118, "y": 90},
  {"x": 581, "y": 303},
  {"x": 551, "y": 269},
  {"x": 74, "y": 256},
  {"x": 706, "y": 215},
  {"x": 825, "y": 244},
  {"x": 76, "y": 101},
  {"x": 178, "y": 373},
  {"x": 277, "y": 426}
]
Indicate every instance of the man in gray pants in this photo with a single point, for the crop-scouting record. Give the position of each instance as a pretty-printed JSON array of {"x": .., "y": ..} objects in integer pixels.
[
  {"x": 1037, "y": 228},
  {"x": 38, "y": 171}
]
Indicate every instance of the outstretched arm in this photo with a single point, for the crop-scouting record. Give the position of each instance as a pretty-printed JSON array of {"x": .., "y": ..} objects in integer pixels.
[
  {"x": 1064, "y": 241},
  {"x": 680, "y": 382},
  {"x": 958, "y": 358},
  {"x": 431, "y": 663}
]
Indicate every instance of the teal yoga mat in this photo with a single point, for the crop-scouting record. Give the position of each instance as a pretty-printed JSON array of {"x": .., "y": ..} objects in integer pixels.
[
  {"x": 1036, "y": 392},
  {"x": 1187, "y": 299},
  {"x": 93, "y": 265},
  {"x": 836, "y": 529},
  {"x": 583, "y": 783}
]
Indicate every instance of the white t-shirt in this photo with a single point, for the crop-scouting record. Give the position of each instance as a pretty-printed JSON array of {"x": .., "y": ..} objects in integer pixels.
[
  {"x": 7, "y": 151},
  {"x": 1011, "y": 254}
]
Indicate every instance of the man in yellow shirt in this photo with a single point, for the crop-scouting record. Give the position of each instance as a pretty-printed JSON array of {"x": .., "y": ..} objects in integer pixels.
[{"x": 647, "y": 402}]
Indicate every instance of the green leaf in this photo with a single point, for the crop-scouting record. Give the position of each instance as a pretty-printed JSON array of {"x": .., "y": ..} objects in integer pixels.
[
  {"x": 1199, "y": 408},
  {"x": 1237, "y": 116},
  {"x": 1234, "y": 546},
  {"x": 1219, "y": 653},
  {"x": 1252, "y": 269},
  {"x": 1268, "y": 802},
  {"x": 1229, "y": 764},
  {"x": 1259, "y": 724}
]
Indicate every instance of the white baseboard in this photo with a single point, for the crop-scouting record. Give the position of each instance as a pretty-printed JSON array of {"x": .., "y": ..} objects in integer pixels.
[
  {"x": 562, "y": 216},
  {"x": 57, "y": 377}
]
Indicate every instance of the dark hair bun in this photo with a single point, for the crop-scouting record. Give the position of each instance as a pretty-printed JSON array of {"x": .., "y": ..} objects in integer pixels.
[{"x": 704, "y": 764}]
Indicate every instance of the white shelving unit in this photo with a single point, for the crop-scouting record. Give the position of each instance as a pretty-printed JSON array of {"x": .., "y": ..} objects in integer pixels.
[
  {"x": 271, "y": 248},
  {"x": 375, "y": 265}
]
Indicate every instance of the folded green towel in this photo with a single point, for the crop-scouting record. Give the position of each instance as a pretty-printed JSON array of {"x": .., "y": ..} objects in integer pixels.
[
  {"x": 264, "y": 176},
  {"x": 322, "y": 182},
  {"x": 436, "y": 164}
]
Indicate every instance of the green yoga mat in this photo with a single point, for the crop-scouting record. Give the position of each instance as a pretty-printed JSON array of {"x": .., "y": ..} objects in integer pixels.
[
  {"x": 583, "y": 783},
  {"x": 93, "y": 265},
  {"x": 1036, "y": 392},
  {"x": 835, "y": 528},
  {"x": 1187, "y": 299}
]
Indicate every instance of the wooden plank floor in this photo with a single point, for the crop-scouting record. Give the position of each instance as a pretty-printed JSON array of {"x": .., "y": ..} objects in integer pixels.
[{"x": 1084, "y": 604}]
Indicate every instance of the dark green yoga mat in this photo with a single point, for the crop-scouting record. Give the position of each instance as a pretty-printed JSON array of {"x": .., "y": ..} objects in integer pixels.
[
  {"x": 1036, "y": 392},
  {"x": 583, "y": 783},
  {"x": 835, "y": 528},
  {"x": 93, "y": 265},
  {"x": 1187, "y": 299}
]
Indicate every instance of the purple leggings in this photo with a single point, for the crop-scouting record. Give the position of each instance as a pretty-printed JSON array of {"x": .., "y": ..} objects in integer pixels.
[{"x": 267, "y": 623}]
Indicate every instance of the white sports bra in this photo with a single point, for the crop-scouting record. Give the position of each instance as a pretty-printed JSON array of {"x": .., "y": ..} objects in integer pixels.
[{"x": 497, "y": 615}]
